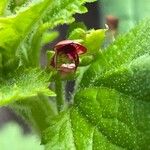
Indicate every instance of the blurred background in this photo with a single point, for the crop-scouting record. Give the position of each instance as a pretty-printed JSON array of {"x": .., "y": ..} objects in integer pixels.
[{"x": 119, "y": 15}]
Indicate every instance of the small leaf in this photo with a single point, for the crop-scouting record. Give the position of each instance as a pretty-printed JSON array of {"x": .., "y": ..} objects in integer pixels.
[
  {"x": 77, "y": 34},
  {"x": 91, "y": 37},
  {"x": 76, "y": 25}
]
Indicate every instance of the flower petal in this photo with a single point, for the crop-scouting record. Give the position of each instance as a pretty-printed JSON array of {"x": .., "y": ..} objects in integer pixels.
[
  {"x": 66, "y": 59},
  {"x": 80, "y": 49}
]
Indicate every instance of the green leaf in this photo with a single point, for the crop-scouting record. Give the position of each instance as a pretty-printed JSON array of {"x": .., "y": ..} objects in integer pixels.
[
  {"x": 120, "y": 54},
  {"x": 17, "y": 139},
  {"x": 35, "y": 110},
  {"x": 24, "y": 84},
  {"x": 66, "y": 132},
  {"x": 132, "y": 79},
  {"x": 122, "y": 71},
  {"x": 77, "y": 34},
  {"x": 49, "y": 37},
  {"x": 3, "y": 5},
  {"x": 92, "y": 36},
  {"x": 101, "y": 119},
  {"x": 62, "y": 11},
  {"x": 77, "y": 30}
]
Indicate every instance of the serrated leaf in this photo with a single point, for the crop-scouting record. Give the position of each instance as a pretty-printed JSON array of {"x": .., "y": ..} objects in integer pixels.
[
  {"x": 62, "y": 11},
  {"x": 132, "y": 79},
  {"x": 120, "y": 54},
  {"x": 16, "y": 32},
  {"x": 23, "y": 85},
  {"x": 101, "y": 119}
]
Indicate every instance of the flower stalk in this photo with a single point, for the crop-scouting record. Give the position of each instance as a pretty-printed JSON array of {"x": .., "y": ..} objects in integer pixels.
[{"x": 59, "y": 90}]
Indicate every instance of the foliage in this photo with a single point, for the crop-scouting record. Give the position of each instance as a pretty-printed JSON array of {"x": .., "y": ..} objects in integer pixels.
[
  {"x": 110, "y": 106},
  {"x": 19, "y": 86}
]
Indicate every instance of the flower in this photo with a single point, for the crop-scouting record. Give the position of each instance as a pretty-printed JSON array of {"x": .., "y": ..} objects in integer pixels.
[{"x": 66, "y": 57}]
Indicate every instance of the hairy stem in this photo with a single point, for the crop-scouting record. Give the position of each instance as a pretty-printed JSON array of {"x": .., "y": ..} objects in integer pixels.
[{"x": 59, "y": 90}]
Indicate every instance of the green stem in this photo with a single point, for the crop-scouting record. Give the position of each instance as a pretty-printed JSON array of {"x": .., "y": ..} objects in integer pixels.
[{"x": 59, "y": 90}]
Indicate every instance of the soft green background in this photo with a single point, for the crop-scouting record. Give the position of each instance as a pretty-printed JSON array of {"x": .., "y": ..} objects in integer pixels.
[
  {"x": 129, "y": 12},
  {"x": 12, "y": 138}
]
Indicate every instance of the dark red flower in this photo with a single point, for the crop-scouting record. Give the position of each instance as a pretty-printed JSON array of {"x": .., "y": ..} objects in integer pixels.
[{"x": 66, "y": 57}]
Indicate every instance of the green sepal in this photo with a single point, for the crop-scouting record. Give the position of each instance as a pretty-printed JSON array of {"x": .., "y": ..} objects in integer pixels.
[{"x": 94, "y": 40}]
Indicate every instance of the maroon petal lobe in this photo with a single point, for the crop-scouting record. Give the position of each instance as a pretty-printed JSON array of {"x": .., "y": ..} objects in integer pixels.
[
  {"x": 62, "y": 43},
  {"x": 80, "y": 49}
]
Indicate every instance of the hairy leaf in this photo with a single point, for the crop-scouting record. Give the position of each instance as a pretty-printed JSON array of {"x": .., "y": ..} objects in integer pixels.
[
  {"x": 120, "y": 54},
  {"x": 101, "y": 119},
  {"x": 91, "y": 37},
  {"x": 132, "y": 79},
  {"x": 35, "y": 111},
  {"x": 23, "y": 85}
]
